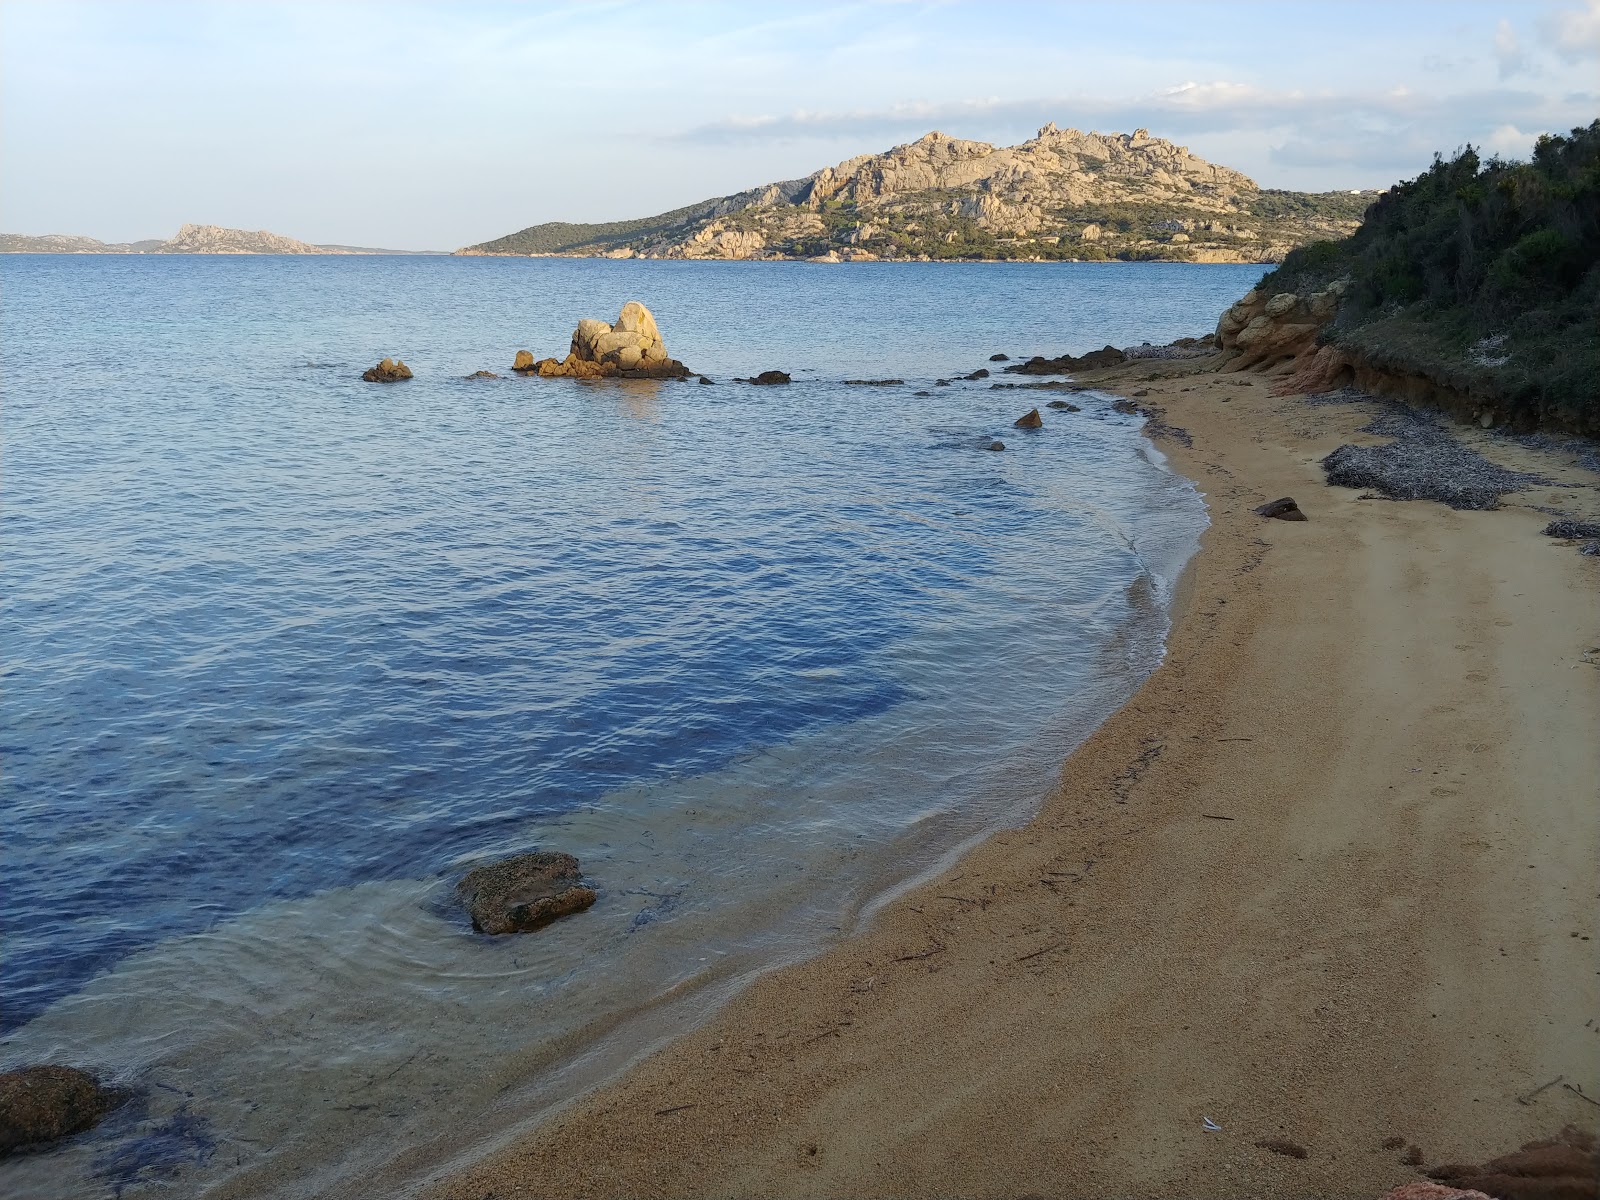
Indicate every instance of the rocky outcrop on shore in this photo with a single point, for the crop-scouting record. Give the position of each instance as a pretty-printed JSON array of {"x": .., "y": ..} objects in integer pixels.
[
  {"x": 630, "y": 348},
  {"x": 40, "y": 1105},
  {"x": 524, "y": 893},
  {"x": 1109, "y": 356},
  {"x": 1267, "y": 333}
]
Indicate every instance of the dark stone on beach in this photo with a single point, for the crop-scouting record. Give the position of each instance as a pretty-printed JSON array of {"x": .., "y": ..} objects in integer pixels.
[
  {"x": 524, "y": 893},
  {"x": 1592, "y": 549},
  {"x": 1064, "y": 406},
  {"x": 1142, "y": 393},
  {"x": 874, "y": 382},
  {"x": 1110, "y": 356},
  {"x": 995, "y": 446},
  {"x": 1281, "y": 510},
  {"x": 1029, "y": 420},
  {"x": 524, "y": 362},
  {"x": 1287, "y": 1149},
  {"x": 482, "y": 375},
  {"x": 39, "y": 1105},
  {"x": 390, "y": 370},
  {"x": 1566, "y": 527},
  {"x": 770, "y": 377},
  {"x": 999, "y": 358},
  {"x": 980, "y": 373},
  {"x": 1126, "y": 407},
  {"x": 704, "y": 382}
]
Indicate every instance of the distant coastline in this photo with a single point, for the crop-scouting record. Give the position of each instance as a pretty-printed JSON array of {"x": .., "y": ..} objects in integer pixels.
[{"x": 190, "y": 239}]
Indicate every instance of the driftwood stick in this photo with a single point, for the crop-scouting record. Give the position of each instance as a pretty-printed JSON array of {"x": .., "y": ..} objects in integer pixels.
[
  {"x": 1036, "y": 953},
  {"x": 664, "y": 1112},
  {"x": 1579, "y": 1093},
  {"x": 1527, "y": 1097},
  {"x": 919, "y": 954},
  {"x": 1215, "y": 817}
]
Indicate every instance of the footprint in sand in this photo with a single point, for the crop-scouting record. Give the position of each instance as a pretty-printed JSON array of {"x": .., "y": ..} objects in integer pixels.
[
  {"x": 1502, "y": 623},
  {"x": 1443, "y": 791},
  {"x": 1443, "y": 708},
  {"x": 1477, "y": 676}
]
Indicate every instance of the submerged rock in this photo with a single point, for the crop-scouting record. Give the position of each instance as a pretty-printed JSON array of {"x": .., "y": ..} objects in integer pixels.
[
  {"x": 1064, "y": 406},
  {"x": 1029, "y": 420},
  {"x": 524, "y": 893},
  {"x": 481, "y": 375},
  {"x": 390, "y": 370},
  {"x": 1281, "y": 510},
  {"x": 999, "y": 358},
  {"x": 770, "y": 377},
  {"x": 874, "y": 382},
  {"x": 39, "y": 1105},
  {"x": 995, "y": 446},
  {"x": 1110, "y": 356}
]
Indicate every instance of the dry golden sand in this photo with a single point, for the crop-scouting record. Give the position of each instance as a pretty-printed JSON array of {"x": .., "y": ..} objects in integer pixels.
[{"x": 1396, "y": 707}]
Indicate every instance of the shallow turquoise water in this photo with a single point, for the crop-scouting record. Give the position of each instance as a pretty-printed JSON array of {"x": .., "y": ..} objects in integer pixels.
[{"x": 287, "y": 650}]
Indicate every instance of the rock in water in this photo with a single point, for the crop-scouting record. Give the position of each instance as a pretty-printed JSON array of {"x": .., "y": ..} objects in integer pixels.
[
  {"x": 632, "y": 348},
  {"x": 483, "y": 375},
  {"x": 44, "y": 1104},
  {"x": 999, "y": 358},
  {"x": 771, "y": 377},
  {"x": 388, "y": 371},
  {"x": 523, "y": 362},
  {"x": 1029, "y": 420},
  {"x": 995, "y": 446},
  {"x": 524, "y": 893},
  {"x": 1282, "y": 510}
]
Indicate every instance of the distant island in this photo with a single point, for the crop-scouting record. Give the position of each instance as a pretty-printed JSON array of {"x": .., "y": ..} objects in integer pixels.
[
  {"x": 1062, "y": 195},
  {"x": 190, "y": 239}
]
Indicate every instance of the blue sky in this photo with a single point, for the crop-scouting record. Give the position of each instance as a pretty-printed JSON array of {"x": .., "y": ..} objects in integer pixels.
[{"x": 430, "y": 126}]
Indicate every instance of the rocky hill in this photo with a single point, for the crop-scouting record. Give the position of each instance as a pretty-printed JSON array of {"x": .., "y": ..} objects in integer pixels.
[
  {"x": 1061, "y": 195},
  {"x": 190, "y": 239}
]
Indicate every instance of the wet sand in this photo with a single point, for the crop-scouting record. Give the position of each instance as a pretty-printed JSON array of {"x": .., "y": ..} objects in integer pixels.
[{"x": 1328, "y": 879}]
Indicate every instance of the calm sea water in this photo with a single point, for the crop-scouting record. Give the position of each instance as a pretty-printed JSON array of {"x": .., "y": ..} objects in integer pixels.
[{"x": 286, "y": 651}]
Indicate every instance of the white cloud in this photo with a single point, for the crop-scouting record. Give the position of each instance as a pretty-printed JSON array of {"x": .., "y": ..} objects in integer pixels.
[
  {"x": 1508, "y": 50},
  {"x": 1509, "y": 142},
  {"x": 1574, "y": 33}
]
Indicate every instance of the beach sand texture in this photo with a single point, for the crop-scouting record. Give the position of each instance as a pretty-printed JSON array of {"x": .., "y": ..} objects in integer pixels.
[{"x": 1330, "y": 878}]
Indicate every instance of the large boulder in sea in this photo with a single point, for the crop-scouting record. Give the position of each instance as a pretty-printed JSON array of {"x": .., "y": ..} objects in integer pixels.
[
  {"x": 630, "y": 347},
  {"x": 40, "y": 1105},
  {"x": 390, "y": 370},
  {"x": 525, "y": 892}
]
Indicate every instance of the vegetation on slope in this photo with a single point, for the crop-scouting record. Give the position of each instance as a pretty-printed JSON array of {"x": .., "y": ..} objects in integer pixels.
[{"x": 1482, "y": 276}]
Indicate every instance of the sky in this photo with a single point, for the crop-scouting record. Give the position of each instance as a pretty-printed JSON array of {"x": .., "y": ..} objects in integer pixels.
[{"x": 437, "y": 125}]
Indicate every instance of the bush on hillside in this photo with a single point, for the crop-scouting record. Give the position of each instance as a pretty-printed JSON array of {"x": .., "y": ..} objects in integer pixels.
[{"x": 1484, "y": 276}]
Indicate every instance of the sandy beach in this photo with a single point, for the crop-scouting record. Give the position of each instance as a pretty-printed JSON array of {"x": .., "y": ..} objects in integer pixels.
[{"x": 1329, "y": 879}]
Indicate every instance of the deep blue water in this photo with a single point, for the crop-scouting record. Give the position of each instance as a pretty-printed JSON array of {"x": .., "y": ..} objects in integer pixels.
[{"x": 272, "y": 631}]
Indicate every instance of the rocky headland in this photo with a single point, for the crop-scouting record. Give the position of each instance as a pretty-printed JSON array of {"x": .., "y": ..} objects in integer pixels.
[{"x": 1063, "y": 194}]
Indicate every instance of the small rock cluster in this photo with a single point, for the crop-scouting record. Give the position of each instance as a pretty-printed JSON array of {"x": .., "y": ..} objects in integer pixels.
[
  {"x": 1108, "y": 356},
  {"x": 390, "y": 370},
  {"x": 630, "y": 348}
]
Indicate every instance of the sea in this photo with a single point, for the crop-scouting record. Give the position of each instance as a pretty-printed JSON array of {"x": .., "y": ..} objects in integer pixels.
[{"x": 286, "y": 653}]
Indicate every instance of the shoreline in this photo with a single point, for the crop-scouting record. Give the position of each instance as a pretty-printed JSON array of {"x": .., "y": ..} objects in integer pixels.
[{"x": 1220, "y": 911}]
